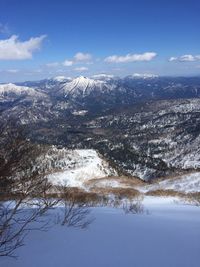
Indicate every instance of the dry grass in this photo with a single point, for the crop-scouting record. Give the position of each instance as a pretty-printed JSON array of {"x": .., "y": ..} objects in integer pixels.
[
  {"x": 129, "y": 193},
  {"x": 172, "y": 177},
  {"x": 124, "y": 181},
  {"x": 78, "y": 195},
  {"x": 192, "y": 198},
  {"x": 165, "y": 193}
]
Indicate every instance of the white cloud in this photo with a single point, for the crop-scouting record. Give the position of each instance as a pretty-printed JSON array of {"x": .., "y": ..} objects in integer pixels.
[
  {"x": 102, "y": 75},
  {"x": 60, "y": 71},
  {"x": 78, "y": 57},
  {"x": 38, "y": 71},
  {"x": 173, "y": 59},
  {"x": 131, "y": 58},
  {"x": 144, "y": 75},
  {"x": 52, "y": 64},
  {"x": 68, "y": 63},
  {"x": 82, "y": 57},
  {"x": 13, "y": 49},
  {"x": 12, "y": 71},
  {"x": 185, "y": 58},
  {"x": 81, "y": 69}
]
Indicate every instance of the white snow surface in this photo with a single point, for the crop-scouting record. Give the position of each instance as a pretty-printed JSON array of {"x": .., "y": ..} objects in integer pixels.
[
  {"x": 80, "y": 112},
  {"x": 168, "y": 236},
  {"x": 79, "y": 166},
  {"x": 109, "y": 183},
  {"x": 186, "y": 183},
  {"x": 83, "y": 86},
  {"x": 11, "y": 88}
]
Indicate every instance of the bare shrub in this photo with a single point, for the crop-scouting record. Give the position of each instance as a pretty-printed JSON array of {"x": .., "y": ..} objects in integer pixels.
[
  {"x": 166, "y": 193},
  {"x": 118, "y": 192},
  {"x": 193, "y": 198},
  {"x": 25, "y": 198},
  {"x": 134, "y": 207},
  {"x": 18, "y": 214},
  {"x": 74, "y": 211}
]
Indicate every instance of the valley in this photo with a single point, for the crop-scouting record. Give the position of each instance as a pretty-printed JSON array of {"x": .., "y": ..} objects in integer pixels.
[{"x": 131, "y": 122}]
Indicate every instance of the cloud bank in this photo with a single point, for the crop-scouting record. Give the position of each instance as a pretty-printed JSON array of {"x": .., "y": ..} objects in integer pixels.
[
  {"x": 81, "y": 69},
  {"x": 82, "y": 57},
  {"x": 185, "y": 58},
  {"x": 78, "y": 58},
  {"x": 147, "y": 56},
  {"x": 14, "y": 49},
  {"x": 68, "y": 63}
]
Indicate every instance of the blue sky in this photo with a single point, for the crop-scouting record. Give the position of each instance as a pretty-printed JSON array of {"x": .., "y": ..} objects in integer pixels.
[{"x": 40, "y": 39}]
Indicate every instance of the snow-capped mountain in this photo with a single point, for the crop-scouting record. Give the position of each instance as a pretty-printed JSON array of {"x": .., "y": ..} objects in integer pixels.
[
  {"x": 11, "y": 90},
  {"x": 46, "y": 85},
  {"x": 83, "y": 86},
  {"x": 147, "y": 127},
  {"x": 23, "y": 104},
  {"x": 114, "y": 90}
]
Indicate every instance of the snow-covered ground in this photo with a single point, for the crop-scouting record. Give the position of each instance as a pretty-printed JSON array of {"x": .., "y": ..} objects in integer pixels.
[
  {"x": 168, "y": 236},
  {"x": 14, "y": 89},
  {"x": 186, "y": 183},
  {"x": 81, "y": 165}
]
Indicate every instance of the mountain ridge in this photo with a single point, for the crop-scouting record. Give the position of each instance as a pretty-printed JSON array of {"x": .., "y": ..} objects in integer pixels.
[{"x": 146, "y": 127}]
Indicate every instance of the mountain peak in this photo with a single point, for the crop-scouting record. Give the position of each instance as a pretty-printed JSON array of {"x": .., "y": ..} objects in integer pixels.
[
  {"x": 83, "y": 79},
  {"x": 82, "y": 85},
  {"x": 10, "y": 87}
]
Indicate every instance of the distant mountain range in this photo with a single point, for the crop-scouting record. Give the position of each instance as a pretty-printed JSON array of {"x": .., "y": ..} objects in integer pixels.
[{"x": 144, "y": 125}]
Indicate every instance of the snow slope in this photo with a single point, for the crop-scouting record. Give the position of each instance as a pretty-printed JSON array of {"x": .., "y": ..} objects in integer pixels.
[
  {"x": 62, "y": 166},
  {"x": 83, "y": 86},
  {"x": 186, "y": 183},
  {"x": 167, "y": 236},
  {"x": 79, "y": 166},
  {"x": 15, "y": 90}
]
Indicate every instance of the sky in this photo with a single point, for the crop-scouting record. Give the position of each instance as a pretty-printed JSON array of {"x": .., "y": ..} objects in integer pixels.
[{"x": 46, "y": 38}]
